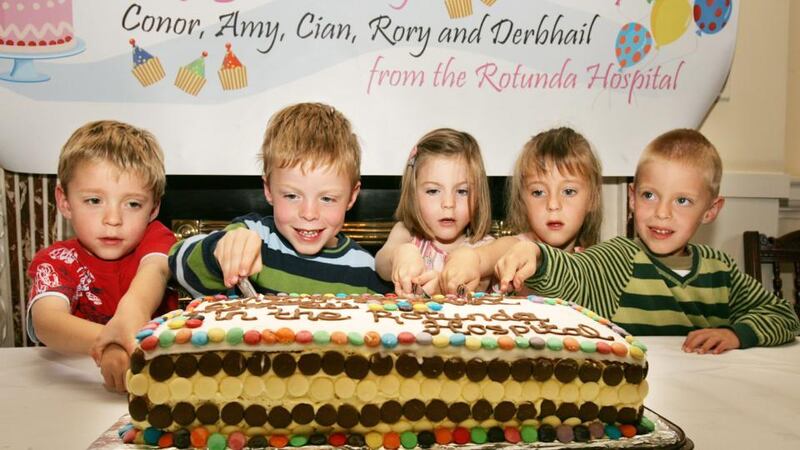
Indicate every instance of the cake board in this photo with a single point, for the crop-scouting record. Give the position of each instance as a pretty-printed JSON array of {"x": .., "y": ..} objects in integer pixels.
[{"x": 24, "y": 70}]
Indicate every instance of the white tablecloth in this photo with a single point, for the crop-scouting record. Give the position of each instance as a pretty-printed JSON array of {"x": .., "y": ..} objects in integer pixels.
[{"x": 746, "y": 399}]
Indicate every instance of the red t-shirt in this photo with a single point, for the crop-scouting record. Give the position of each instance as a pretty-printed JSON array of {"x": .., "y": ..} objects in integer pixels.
[{"x": 93, "y": 286}]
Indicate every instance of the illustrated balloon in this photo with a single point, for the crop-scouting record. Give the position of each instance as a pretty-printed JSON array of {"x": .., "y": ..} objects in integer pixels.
[
  {"x": 712, "y": 15},
  {"x": 669, "y": 20},
  {"x": 634, "y": 42}
]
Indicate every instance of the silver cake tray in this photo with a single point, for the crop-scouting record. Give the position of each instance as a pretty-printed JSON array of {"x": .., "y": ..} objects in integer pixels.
[{"x": 666, "y": 436}]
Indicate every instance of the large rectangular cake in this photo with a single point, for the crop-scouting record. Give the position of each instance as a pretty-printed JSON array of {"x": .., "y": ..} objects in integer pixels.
[{"x": 295, "y": 370}]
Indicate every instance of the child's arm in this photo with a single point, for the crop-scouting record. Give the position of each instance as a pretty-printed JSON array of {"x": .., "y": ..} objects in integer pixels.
[
  {"x": 517, "y": 265},
  {"x": 57, "y": 328},
  {"x": 711, "y": 340},
  {"x": 466, "y": 266},
  {"x": 400, "y": 261}
]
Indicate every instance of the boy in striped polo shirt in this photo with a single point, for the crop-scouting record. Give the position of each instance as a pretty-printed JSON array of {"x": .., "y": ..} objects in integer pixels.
[
  {"x": 659, "y": 283},
  {"x": 311, "y": 170}
]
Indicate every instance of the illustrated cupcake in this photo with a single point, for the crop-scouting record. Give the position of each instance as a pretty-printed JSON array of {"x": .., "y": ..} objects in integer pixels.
[
  {"x": 458, "y": 8},
  {"x": 232, "y": 75},
  {"x": 488, "y": 2},
  {"x": 146, "y": 68},
  {"x": 191, "y": 78}
]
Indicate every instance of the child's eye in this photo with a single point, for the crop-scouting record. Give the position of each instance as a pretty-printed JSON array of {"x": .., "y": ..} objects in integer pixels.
[
  {"x": 326, "y": 199},
  {"x": 537, "y": 193},
  {"x": 135, "y": 204},
  {"x": 647, "y": 195},
  {"x": 683, "y": 201},
  {"x": 570, "y": 192},
  {"x": 92, "y": 201},
  {"x": 431, "y": 191},
  {"x": 290, "y": 196},
  {"x": 463, "y": 192}
]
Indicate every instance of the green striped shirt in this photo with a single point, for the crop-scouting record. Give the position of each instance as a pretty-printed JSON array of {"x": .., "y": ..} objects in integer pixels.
[{"x": 623, "y": 281}]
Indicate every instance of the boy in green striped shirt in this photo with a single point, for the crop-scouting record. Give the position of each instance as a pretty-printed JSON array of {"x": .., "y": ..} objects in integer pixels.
[
  {"x": 659, "y": 283},
  {"x": 311, "y": 170}
]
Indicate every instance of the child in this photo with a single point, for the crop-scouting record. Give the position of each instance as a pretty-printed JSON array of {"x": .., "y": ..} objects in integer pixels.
[
  {"x": 554, "y": 197},
  {"x": 311, "y": 169},
  {"x": 114, "y": 272},
  {"x": 444, "y": 204},
  {"x": 660, "y": 284}
]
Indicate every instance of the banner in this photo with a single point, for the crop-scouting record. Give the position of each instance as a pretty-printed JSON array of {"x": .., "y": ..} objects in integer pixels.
[{"x": 205, "y": 75}]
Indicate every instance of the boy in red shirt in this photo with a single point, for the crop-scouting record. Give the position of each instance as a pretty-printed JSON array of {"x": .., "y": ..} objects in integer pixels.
[{"x": 90, "y": 294}]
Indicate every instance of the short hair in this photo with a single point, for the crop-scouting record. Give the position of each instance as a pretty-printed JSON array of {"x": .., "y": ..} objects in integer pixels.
[
  {"x": 569, "y": 152},
  {"x": 446, "y": 143},
  {"x": 689, "y": 147},
  {"x": 128, "y": 148},
  {"x": 311, "y": 135}
]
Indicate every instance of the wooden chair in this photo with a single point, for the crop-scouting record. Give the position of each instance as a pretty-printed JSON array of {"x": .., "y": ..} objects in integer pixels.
[{"x": 760, "y": 249}]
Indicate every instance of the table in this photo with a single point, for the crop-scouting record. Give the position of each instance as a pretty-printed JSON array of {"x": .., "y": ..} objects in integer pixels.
[{"x": 738, "y": 400}]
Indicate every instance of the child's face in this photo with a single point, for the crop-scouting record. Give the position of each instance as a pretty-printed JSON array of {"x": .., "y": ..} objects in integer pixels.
[
  {"x": 556, "y": 204},
  {"x": 109, "y": 209},
  {"x": 309, "y": 205},
  {"x": 669, "y": 201},
  {"x": 443, "y": 194}
]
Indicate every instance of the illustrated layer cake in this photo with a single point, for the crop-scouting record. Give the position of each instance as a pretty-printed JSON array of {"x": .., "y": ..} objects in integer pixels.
[
  {"x": 36, "y": 26},
  {"x": 295, "y": 370}
]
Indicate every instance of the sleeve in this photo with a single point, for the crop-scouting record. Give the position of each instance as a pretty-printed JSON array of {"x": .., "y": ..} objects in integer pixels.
[
  {"x": 157, "y": 239},
  {"x": 194, "y": 266},
  {"x": 50, "y": 277},
  {"x": 593, "y": 279},
  {"x": 758, "y": 317}
]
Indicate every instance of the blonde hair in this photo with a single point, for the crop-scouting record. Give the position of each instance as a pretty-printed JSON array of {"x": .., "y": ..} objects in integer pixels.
[
  {"x": 122, "y": 145},
  {"x": 568, "y": 151},
  {"x": 446, "y": 143},
  {"x": 689, "y": 147},
  {"x": 311, "y": 135}
]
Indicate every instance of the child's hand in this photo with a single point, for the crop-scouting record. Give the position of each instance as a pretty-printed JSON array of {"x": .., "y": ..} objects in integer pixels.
[
  {"x": 461, "y": 272},
  {"x": 114, "y": 332},
  {"x": 114, "y": 362},
  {"x": 516, "y": 266},
  {"x": 428, "y": 283},
  {"x": 711, "y": 340},
  {"x": 408, "y": 264},
  {"x": 239, "y": 255}
]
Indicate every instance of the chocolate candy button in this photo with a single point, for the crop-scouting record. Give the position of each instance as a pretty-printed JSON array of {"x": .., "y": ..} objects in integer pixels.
[
  {"x": 627, "y": 415},
  {"x": 232, "y": 413},
  {"x": 521, "y": 370},
  {"x": 185, "y": 366},
  {"x": 279, "y": 417},
  {"x": 476, "y": 369},
  {"x": 208, "y": 413},
  {"x": 588, "y": 412},
  {"x": 426, "y": 439},
  {"x": 380, "y": 364},
  {"x": 183, "y": 413},
  {"x": 333, "y": 363},
  {"x": 547, "y": 433},
  {"x": 543, "y": 370},
  {"x": 137, "y": 361},
  {"x": 458, "y": 412},
  {"x": 590, "y": 371},
  {"x": 234, "y": 364},
  {"x": 284, "y": 365},
  {"x": 566, "y": 370},
  {"x": 581, "y": 433},
  {"x": 498, "y": 370},
  {"x": 432, "y": 366},
  {"x": 407, "y": 365},
  {"x": 482, "y": 410},
  {"x": 309, "y": 363},
  {"x": 455, "y": 368},
  {"x": 160, "y": 416},
  {"x": 326, "y": 415},
  {"x": 436, "y": 410},
  {"x": 260, "y": 442},
  {"x": 356, "y": 367},
  {"x": 347, "y": 416},
  {"x": 612, "y": 374},
  {"x": 370, "y": 415},
  {"x": 504, "y": 411},
  {"x": 414, "y": 409},
  {"x": 210, "y": 364},
  {"x": 496, "y": 434},
  {"x": 633, "y": 373},
  {"x": 137, "y": 407},
  {"x": 162, "y": 367},
  {"x": 607, "y": 414},
  {"x": 526, "y": 411},
  {"x": 303, "y": 413},
  {"x": 255, "y": 415},
  {"x": 315, "y": 439},
  {"x": 547, "y": 408},
  {"x": 567, "y": 410},
  {"x": 391, "y": 412},
  {"x": 181, "y": 438},
  {"x": 356, "y": 440},
  {"x": 258, "y": 363}
]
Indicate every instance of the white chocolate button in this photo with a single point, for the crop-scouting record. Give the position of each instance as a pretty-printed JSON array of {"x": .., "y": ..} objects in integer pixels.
[
  {"x": 569, "y": 393},
  {"x": 158, "y": 393},
  {"x": 451, "y": 391},
  {"x": 430, "y": 388},
  {"x": 470, "y": 392},
  {"x": 608, "y": 396},
  {"x": 390, "y": 385},
  {"x": 138, "y": 384},
  {"x": 345, "y": 388},
  {"x": 321, "y": 389},
  {"x": 297, "y": 385},
  {"x": 409, "y": 388},
  {"x": 493, "y": 391},
  {"x": 230, "y": 388},
  {"x": 513, "y": 390},
  {"x": 629, "y": 393},
  {"x": 180, "y": 388},
  {"x": 274, "y": 387},
  {"x": 205, "y": 388},
  {"x": 552, "y": 420},
  {"x": 366, "y": 390},
  {"x": 531, "y": 391},
  {"x": 253, "y": 387},
  {"x": 589, "y": 391},
  {"x": 644, "y": 388}
]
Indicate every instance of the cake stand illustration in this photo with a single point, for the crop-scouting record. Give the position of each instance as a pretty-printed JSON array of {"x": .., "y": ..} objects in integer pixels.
[{"x": 24, "y": 71}]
